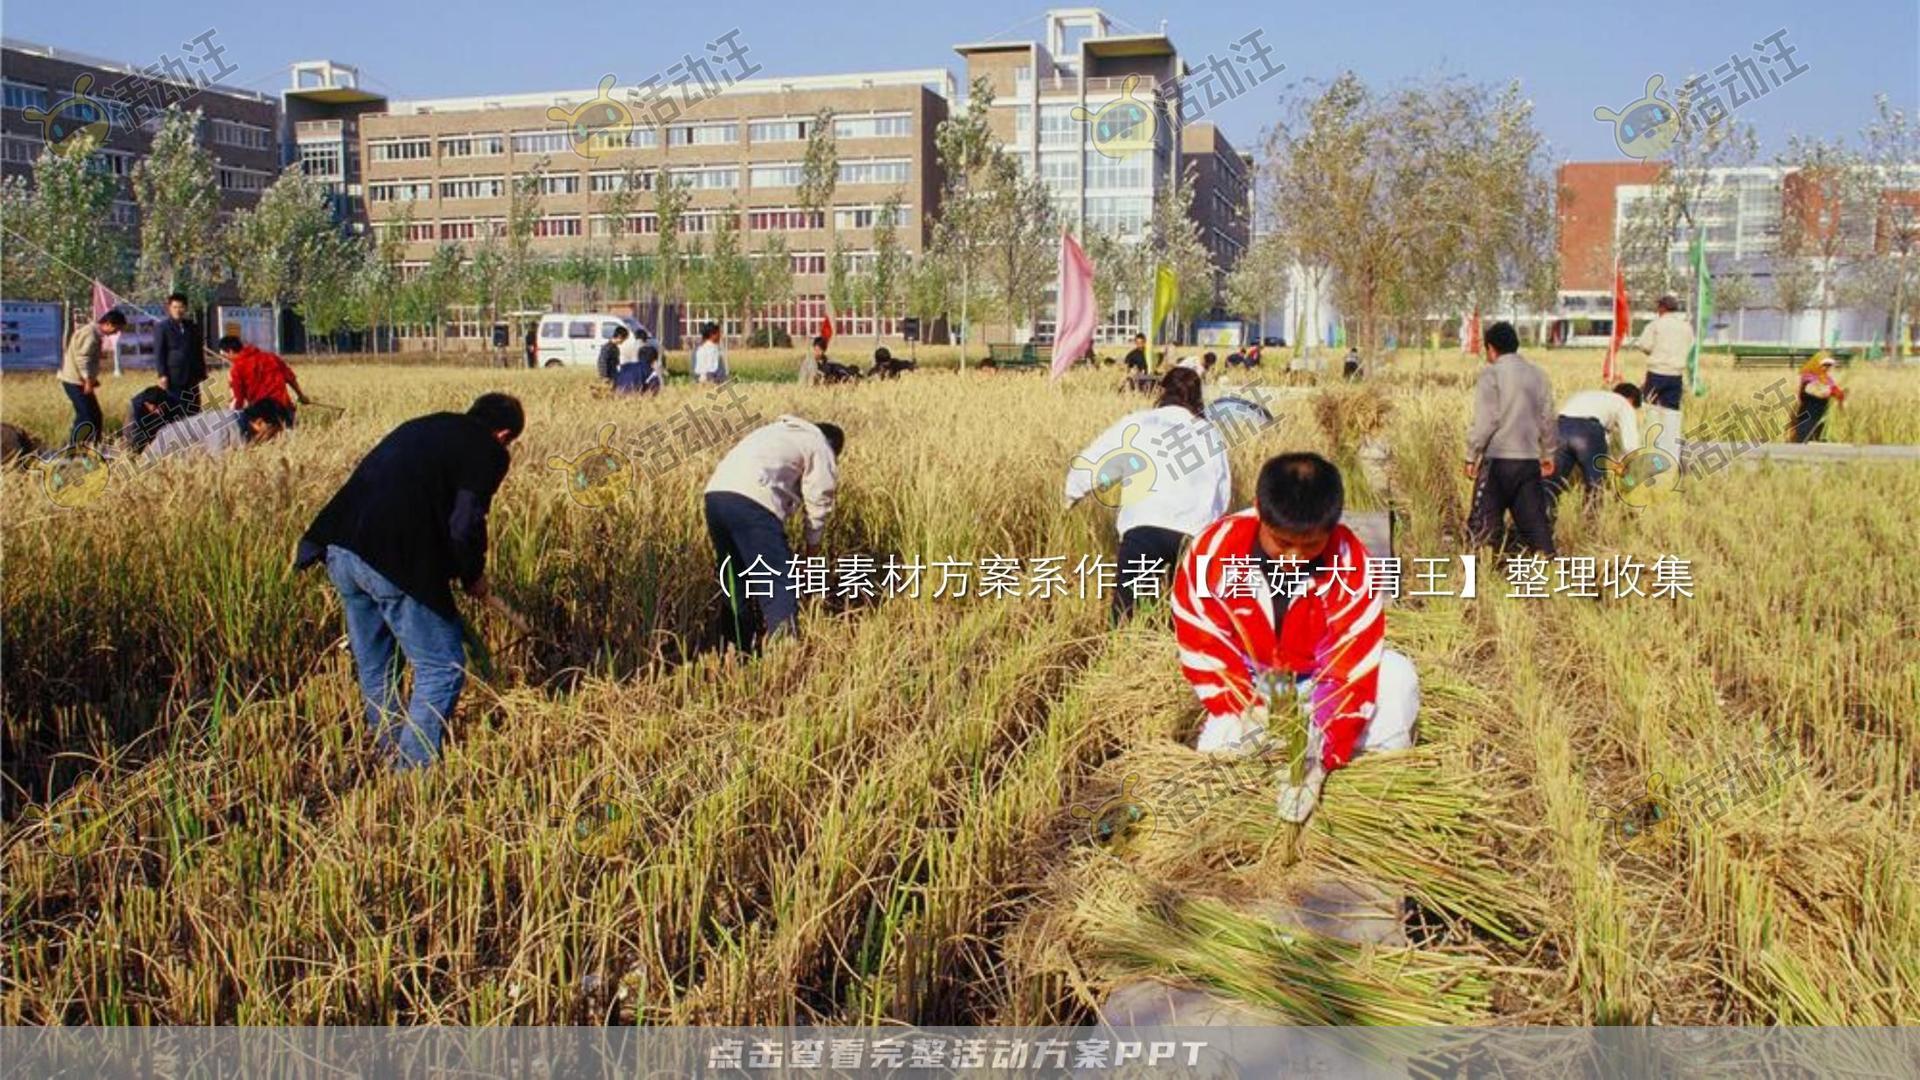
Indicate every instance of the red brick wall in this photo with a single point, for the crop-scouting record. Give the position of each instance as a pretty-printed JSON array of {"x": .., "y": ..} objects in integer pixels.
[{"x": 1586, "y": 219}]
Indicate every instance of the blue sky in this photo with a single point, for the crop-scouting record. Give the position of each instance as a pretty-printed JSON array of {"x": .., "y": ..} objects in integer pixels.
[{"x": 1568, "y": 58}]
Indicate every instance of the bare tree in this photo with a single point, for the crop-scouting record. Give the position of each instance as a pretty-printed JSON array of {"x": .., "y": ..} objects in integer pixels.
[{"x": 1827, "y": 216}]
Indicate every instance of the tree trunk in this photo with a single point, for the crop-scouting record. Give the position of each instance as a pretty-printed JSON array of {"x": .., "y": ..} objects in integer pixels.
[{"x": 1899, "y": 350}]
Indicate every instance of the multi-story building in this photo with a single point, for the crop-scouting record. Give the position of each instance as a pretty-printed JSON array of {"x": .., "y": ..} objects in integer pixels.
[
  {"x": 1738, "y": 215},
  {"x": 440, "y": 170},
  {"x": 320, "y": 114},
  {"x": 52, "y": 95},
  {"x": 1096, "y": 114}
]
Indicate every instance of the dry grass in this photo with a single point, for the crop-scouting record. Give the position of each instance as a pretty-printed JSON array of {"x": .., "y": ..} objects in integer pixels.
[{"x": 877, "y": 822}]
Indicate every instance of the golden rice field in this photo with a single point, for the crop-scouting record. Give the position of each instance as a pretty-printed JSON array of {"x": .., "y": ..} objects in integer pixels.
[{"x": 889, "y": 819}]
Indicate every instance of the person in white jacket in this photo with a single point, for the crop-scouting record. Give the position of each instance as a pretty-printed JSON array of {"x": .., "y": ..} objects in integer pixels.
[
  {"x": 709, "y": 359},
  {"x": 763, "y": 480},
  {"x": 1165, "y": 470}
]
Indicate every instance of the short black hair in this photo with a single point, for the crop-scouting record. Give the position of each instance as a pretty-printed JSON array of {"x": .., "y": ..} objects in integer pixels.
[
  {"x": 266, "y": 409},
  {"x": 1504, "y": 338},
  {"x": 1630, "y": 392},
  {"x": 882, "y": 354},
  {"x": 499, "y": 412},
  {"x": 707, "y": 330},
  {"x": 819, "y": 342},
  {"x": 113, "y": 318},
  {"x": 619, "y": 332},
  {"x": 1668, "y": 302},
  {"x": 1139, "y": 337},
  {"x": 1300, "y": 492},
  {"x": 835, "y": 437},
  {"x": 229, "y": 344},
  {"x": 180, "y": 296}
]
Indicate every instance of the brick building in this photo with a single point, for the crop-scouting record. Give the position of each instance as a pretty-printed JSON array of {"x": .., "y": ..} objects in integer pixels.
[
  {"x": 52, "y": 94},
  {"x": 440, "y": 170}
]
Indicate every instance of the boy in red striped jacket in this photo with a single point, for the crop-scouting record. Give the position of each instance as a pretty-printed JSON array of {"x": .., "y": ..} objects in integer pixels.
[{"x": 1282, "y": 590}]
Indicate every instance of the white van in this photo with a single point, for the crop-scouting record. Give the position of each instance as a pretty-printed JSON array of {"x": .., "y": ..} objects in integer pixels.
[{"x": 569, "y": 339}]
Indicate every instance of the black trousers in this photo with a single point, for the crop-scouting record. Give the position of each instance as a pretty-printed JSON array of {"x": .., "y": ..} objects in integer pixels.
[
  {"x": 1810, "y": 419},
  {"x": 187, "y": 402},
  {"x": 1511, "y": 486},
  {"x": 88, "y": 423},
  {"x": 1151, "y": 543},
  {"x": 750, "y": 543}
]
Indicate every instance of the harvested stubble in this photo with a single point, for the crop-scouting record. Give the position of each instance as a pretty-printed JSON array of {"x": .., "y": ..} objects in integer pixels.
[{"x": 867, "y": 825}]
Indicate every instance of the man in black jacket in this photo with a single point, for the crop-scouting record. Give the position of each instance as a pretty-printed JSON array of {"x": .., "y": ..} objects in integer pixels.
[
  {"x": 609, "y": 359},
  {"x": 180, "y": 355},
  {"x": 412, "y": 516}
]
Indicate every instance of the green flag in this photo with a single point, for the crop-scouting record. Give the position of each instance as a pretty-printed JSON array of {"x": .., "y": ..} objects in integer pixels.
[
  {"x": 1702, "y": 314},
  {"x": 1165, "y": 288}
]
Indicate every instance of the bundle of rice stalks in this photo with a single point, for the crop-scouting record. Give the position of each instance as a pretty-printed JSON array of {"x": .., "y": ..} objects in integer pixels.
[
  {"x": 1298, "y": 976},
  {"x": 1397, "y": 817},
  {"x": 1350, "y": 415}
]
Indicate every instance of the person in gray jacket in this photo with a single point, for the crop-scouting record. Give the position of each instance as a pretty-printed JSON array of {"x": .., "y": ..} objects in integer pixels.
[{"x": 1511, "y": 446}]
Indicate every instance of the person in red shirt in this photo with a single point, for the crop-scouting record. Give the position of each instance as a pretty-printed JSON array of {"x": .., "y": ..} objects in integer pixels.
[
  {"x": 258, "y": 375},
  {"x": 1283, "y": 591}
]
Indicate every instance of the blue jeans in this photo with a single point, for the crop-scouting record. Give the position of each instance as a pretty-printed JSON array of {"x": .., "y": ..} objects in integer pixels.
[
  {"x": 749, "y": 541},
  {"x": 379, "y": 616}
]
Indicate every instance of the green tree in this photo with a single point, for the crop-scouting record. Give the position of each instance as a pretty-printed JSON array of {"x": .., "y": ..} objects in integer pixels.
[
  {"x": 439, "y": 285},
  {"x": 519, "y": 271},
  {"x": 670, "y": 201},
  {"x": 378, "y": 282},
  {"x": 331, "y": 300},
  {"x": 1258, "y": 282},
  {"x": 889, "y": 262},
  {"x": 58, "y": 235},
  {"x": 967, "y": 149},
  {"x": 819, "y": 177},
  {"x": 1022, "y": 252},
  {"x": 771, "y": 276},
  {"x": 289, "y": 237},
  {"x": 180, "y": 248}
]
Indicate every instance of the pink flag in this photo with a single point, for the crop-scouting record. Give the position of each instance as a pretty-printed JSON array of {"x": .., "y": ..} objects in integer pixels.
[
  {"x": 1073, "y": 330},
  {"x": 104, "y": 300}
]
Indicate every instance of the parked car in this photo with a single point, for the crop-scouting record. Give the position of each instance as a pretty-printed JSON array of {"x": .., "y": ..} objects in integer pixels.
[{"x": 568, "y": 339}]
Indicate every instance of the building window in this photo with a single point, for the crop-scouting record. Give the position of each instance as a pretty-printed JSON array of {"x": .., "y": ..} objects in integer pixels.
[
  {"x": 420, "y": 230},
  {"x": 123, "y": 213},
  {"x": 809, "y": 262},
  {"x": 463, "y": 146},
  {"x": 234, "y": 178},
  {"x": 784, "y": 174},
  {"x": 1060, "y": 172},
  {"x": 21, "y": 95},
  {"x": 858, "y": 217},
  {"x": 473, "y": 187},
  {"x": 321, "y": 160},
  {"x": 717, "y": 134},
  {"x": 1125, "y": 215},
  {"x": 22, "y": 151},
  {"x": 786, "y": 219},
  {"x": 400, "y": 150},
  {"x": 890, "y": 171},
  {"x": 1059, "y": 128},
  {"x": 778, "y": 130},
  {"x": 110, "y": 162},
  {"x": 557, "y": 226},
  {"x": 703, "y": 221},
  {"x": 606, "y": 180},
  {"x": 877, "y": 126},
  {"x": 722, "y": 178},
  {"x": 400, "y": 191},
  {"x": 1127, "y": 173},
  {"x": 560, "y": 184},
  {"x": 541, "y": 142},
  {"x": 240, "y": 134}
]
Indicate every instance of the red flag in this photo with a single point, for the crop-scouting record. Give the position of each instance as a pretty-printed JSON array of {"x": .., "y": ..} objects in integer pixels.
[
  {"x": 826, "y": 327},
  {"x": 1073, "y": 330},
  {"x": 1610, "y": 372}
]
